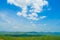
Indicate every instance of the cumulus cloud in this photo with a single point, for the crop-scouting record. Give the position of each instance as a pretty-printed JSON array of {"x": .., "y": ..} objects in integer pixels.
[
  {"x": 35, "y": 5},
  {"x": 42, "y": 17}
]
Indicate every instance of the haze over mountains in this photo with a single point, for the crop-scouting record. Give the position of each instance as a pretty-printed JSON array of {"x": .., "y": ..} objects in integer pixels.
[{"x": 29, "y": 33}]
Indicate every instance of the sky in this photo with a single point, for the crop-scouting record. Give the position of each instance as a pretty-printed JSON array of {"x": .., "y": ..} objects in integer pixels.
[{"x": 30, "y": 15}]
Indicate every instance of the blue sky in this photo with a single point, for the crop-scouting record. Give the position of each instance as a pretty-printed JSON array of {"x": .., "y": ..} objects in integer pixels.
[{"x": 27, "y": 16}]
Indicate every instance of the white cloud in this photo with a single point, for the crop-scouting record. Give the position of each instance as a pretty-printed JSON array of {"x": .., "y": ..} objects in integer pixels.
[
  {"x": 42, "y": 17},
  {"x": 36, "y": 5},
  {"x": 19, "y": 14}
]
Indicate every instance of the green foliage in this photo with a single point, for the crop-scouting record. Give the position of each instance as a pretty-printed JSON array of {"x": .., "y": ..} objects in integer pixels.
[{"x": 45, "y": 37}]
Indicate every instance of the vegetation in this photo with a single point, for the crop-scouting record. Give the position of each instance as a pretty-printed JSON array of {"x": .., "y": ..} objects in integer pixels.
[
  {"x": 29, "y": 36},
  {"x": 45, "y": 37}
]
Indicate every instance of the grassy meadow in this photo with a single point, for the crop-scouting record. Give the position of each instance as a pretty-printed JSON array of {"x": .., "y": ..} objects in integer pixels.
[{"x": 45, "y": 37}]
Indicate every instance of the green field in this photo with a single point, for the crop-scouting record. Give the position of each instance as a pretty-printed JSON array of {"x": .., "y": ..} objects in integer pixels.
[{"x": 45, "y": 37}]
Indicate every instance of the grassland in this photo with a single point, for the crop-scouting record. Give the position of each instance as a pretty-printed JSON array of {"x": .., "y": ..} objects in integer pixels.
[{"x": 45, "y": 37}]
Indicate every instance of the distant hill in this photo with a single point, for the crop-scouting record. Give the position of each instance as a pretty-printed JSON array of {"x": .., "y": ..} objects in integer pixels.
[{"x": 29, "y": 33}]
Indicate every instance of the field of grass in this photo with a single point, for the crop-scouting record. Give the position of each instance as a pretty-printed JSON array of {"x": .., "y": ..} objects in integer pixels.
[{"x": 45, "y": 37}]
